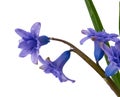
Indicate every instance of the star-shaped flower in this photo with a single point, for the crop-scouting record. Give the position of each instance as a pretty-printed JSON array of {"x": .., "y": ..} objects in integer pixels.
[
  {"x": 31, "y": 41},
  {"x": 56, "y": 67},
  {"x": 98, "y": 37}
]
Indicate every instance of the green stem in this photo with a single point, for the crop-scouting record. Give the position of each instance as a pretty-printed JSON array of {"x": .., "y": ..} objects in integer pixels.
[{"x": 96, "y": 67}]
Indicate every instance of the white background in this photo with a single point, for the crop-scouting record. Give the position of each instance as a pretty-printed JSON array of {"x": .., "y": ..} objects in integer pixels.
[{"x": 62, "y": 19}]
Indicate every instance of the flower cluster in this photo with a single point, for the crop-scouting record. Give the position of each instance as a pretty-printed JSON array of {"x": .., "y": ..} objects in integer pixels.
[
  {"x": 100, "y": 43},
  {"x": 31, "y": 43}
]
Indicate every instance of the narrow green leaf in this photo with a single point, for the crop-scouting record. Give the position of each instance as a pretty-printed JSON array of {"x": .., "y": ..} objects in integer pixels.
[
  {"x": 99, "y": 27},
  {"x": 94, "y": 15},
  {"x": 116, "y": 79},
  {"x": 119, "y": 18}
]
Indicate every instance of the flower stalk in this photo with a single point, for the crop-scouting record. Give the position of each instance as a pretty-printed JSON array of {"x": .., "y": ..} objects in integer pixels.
[{"x": 96, "y": 67}]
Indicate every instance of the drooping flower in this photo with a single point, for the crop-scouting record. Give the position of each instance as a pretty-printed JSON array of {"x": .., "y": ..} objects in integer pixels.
[
  {"x": 113, "y": 54},
  {"x": 98, "y": 37},
  {"x": 56, "y": 67},
  {"x": 31, "y": 41}
]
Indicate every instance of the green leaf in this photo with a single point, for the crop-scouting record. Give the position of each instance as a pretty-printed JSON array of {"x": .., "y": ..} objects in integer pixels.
[
  {"x": 119, "y": 18},
  {"x": 94, "y": 15},
  {"x": 116, "y": 79},
  {"x": 99, "y": 27}
]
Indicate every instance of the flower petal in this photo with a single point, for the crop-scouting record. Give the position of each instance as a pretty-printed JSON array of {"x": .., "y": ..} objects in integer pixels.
[
  {"x": 22, "y": 44},
  {"x": 30, "y": 44},
  {"x": 85, "y": 32},
  {"x": 98, "y": 52},
  {"x": 106, "y": 49},
  {"x": 91, "y": 31},
  {"x": 35, "y": 29},
  {"x": 42, "y": 60},
  {"x": 111, "y": 69},
  {"x": 83, "y": 40},
  {"x": 63, "y": 78},
  {"x": 34, "y": 56},
  {"x": 24, "y": 52},
  {"x": 62, "y": 59},
  {"x": 23, "y": 33},
  {"x": 117, "y": 45}
]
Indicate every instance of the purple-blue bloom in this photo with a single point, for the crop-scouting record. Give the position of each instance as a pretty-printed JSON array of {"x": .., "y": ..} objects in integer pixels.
[
  {"x": 56, "y": 67},
  {"x": 98, "y": 37},
  {"x": 31, "y": 42},
  {"x": 113, "y": 54}
]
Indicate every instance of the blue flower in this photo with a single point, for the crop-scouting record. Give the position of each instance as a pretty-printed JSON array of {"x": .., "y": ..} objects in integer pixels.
[
  {"x": 98, "y": 37},
  {"x": 31, "y": 42},
  {"x": 56, "y": 66},
  {"x": 113, "y": 54}
]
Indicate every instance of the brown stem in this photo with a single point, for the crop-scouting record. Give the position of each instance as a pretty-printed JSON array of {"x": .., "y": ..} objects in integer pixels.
[{"x": 96, "y": 67}]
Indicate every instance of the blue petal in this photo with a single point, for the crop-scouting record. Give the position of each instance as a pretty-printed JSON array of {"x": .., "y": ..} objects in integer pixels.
[
  {"x": 43, "y": 40},
  {"x": 24, "y": 52},
  {"x": 111, "y": 69},
  {"x": 27, "y": 44},
  {"x": 34, "y": 56},
  {"x": 23, "y": 33},
  {"x": 92, "y": 31},
  {"x": 42, "y": 60},
  {"x": 113, "y": 35},
  {"x": 35, "y": 29},
  {"x": 46, "y": 64},
  {"x": 62, "y": 59},
  {"x": 85, "y": 32},
  {"x": 22, "y": 44},
  {"x": 84, "y": 39},
  {"x": 63, "y": 78},
  {"x": 117, "y": 45},
  {"x": 98, "y": 52},
  {"x": 106, "y": 49},
  {"x": 49, "y": 67}
]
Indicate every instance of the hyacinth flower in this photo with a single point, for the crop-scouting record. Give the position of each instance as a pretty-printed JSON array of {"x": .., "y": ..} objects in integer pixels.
[
  {"x": 98, "y": 37},
  {"x": 31, "y": 41},
  {"x": 56, "y": 67},
  {"x": 113, "y": 54}
]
